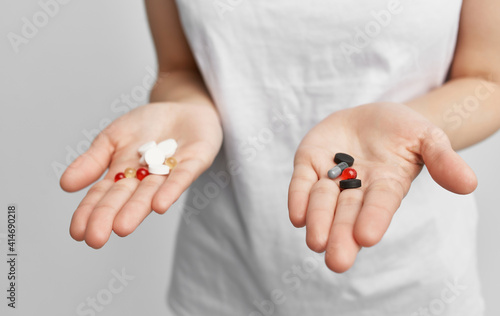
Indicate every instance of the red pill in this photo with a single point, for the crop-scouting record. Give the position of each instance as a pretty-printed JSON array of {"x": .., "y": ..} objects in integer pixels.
[
  {"x": 119, "y": 176},
  {"x": 349, "y": 173},
  {"x": 142, "y": 173}
]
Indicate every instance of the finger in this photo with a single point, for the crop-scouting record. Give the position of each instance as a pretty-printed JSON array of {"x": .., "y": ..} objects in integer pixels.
[
  {"x": 303, "y": 179},
  {"x": 179, "y": 179},
  {"x": 342, "y": 248},
  {"x": 88, "y": 167},
  {"x": 138, "y": 207},
  {"x": 320, "y": 212},
  {"x": 100, "y": 222},
  {"x": 445, "y": 166},
  {"x": 382, "y": 199},
  {"x": 83, "y": 211}
]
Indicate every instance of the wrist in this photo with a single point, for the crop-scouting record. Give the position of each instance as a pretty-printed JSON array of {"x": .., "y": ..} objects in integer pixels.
[{"x": 181, "y": 86}]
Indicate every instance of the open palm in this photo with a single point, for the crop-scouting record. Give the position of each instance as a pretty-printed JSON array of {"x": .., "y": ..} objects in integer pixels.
[
  {"x": 122, "y": 206},
  {"x": 390, "y": 143}
]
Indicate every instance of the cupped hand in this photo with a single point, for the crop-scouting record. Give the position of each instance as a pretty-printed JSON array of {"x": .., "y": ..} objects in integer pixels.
[
  {"x": 390, "y": 143},
  {"x": 121, "y": 206}
]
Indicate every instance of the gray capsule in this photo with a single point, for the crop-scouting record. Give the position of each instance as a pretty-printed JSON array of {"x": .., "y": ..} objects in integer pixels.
[{"x": 337, "y": 170}]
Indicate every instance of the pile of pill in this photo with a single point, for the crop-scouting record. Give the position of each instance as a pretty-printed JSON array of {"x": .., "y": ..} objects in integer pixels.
[
  {"x": 158, "y": 157},
  {"x": 140, "y": 174},
  {"x": 343, "y": 169}
]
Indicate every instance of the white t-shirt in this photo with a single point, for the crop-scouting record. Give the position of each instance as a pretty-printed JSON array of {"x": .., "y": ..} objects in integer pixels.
[{"x": 275, "y": 68}]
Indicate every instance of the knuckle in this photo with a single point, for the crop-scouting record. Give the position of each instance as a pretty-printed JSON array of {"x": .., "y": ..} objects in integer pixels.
[
  {"x": 105, "y": 208},
  {"x": 323, "y": 189},
  {"x": 150, "y": 185},
  {"x": 184, "y": 174},
  {"x": 99, "y": 188},
  {"x": 137, "y": 204},
  {"x": 124, "y": 186}
]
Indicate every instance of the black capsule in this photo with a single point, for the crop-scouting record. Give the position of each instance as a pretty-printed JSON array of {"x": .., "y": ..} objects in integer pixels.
[
  {"x": 350, "y": 184},
  {"x": 341, "y": 157}
]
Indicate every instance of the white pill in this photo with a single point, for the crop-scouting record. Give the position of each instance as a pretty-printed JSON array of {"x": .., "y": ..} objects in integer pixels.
[
  {"x": 142, "y": 161},
  {"x": 168, "y": 147},
  {"x": 159, "y": 169},
  {"x": 142, "y": 150},
  {"x": 154, "y": 156}
]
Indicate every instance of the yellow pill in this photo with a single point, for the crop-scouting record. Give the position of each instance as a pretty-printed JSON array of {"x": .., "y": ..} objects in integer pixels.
[
  {"x": 171, "y": 162},
  {"x": 130, "y": 173}
]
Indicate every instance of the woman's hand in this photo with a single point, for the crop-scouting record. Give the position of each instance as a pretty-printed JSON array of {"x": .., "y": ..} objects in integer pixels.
[
  {"x": 123, "y": 205},
  {"x": 390, "y": 143}
]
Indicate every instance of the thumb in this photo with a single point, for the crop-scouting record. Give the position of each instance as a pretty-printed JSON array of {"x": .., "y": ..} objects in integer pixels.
[
  {"x": 445, "y": 166},
  {"x": 88, "y": 167}
]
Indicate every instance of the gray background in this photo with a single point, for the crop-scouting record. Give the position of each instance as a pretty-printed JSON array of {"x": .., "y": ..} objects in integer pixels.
[{"x": 63, "y": 83}]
